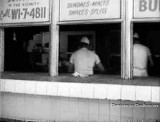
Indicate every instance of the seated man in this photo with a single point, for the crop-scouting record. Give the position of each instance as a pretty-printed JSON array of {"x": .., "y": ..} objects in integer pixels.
[
  {"x": 84, "y": 60},
  {"x": 141, "y": 55}
]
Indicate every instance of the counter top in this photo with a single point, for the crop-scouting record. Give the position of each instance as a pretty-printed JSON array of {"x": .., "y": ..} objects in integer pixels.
[{"x": 97, "y": 78}]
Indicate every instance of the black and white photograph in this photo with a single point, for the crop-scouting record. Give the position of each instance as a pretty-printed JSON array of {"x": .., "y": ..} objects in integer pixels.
[{"x": 79, "y": 60}]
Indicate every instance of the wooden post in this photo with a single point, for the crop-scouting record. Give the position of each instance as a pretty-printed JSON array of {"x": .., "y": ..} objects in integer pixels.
[
  {"x": 54, "y": 43},
  {"x": 1, "y": 50},
  {"x": 127, "y": 41}
]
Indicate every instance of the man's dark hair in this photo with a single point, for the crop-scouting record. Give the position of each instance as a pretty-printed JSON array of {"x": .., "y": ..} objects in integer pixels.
[
  {"x": 136, "y": 40},
  {"x": 84, "y": 45}
]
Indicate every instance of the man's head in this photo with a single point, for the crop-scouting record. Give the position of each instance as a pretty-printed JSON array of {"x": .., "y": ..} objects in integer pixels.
[
  {"x": 85, "y": 42},
  {"x": 136, "y": 38}
]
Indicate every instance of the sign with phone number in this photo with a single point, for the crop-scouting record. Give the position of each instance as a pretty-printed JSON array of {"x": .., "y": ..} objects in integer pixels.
[{"x": 20, "y": 11}]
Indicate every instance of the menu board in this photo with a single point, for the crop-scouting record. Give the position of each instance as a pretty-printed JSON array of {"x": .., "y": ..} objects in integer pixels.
[
  {"x": 20, "y": 11},
  {"x": 89, "y": 9}
]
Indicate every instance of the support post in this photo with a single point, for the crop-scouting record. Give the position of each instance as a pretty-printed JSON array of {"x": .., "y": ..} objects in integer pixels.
[
  {"x": 1, "y": 50},
  {"x": 54, "y": 43},
  {"x": 127, "y": 40}
]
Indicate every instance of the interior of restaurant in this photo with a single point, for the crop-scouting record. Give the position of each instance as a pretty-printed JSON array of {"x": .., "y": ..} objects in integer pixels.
[
  {"x": 105, "y": 41},
  {"x": 27, "y": 48},
  {"x": 149, "y": 34}
]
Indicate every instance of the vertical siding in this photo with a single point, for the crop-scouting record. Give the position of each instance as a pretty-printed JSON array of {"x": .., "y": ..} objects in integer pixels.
[
  {"x": 139, "y": 112},
  {"x": 84, "y": 90},
  {"x": 127, "y": 112},
  {"x": 104, "y": 108},
  {"x": 33, "y": 107},
  {"x": 0, "y": 104}
]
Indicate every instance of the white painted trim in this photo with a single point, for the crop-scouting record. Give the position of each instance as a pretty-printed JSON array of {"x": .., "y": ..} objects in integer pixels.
[
  {"x": 1, "y": 50},
  {"x": 82, "y": 22},
  {"x": 54, "y": 44},
  {"x": 127, "y": 28},
  {"x": 83, "y": 90}
]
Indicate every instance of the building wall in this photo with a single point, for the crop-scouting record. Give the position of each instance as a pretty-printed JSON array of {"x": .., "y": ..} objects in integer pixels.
[
  {"x": 0, "y": 105},
  {"x": 50, "y": 108}
]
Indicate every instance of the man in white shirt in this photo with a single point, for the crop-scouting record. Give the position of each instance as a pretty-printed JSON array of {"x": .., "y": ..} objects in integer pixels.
[
  {"x": 84, "y": 60},
  {"x": 141, "y": 55}
]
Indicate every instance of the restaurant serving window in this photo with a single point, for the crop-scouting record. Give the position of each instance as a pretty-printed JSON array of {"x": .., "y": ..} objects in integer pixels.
[
  {"x": 26, "y": 49},
  {"x": 149, "y": 35},
  {"x": 105, "y": 41}
]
